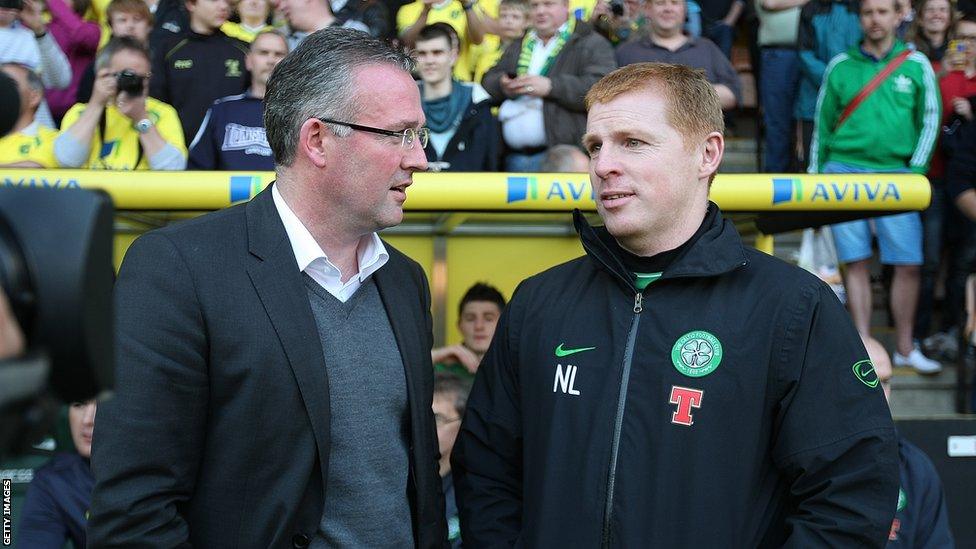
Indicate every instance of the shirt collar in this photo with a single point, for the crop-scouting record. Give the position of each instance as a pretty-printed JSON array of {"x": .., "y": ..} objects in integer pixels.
[
  {"x": 371, "y": 252},
  {"x": 562, "y": 28}
]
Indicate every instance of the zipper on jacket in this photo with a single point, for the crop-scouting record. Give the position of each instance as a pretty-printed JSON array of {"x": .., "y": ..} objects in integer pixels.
[{"x": 619, "y": 419}]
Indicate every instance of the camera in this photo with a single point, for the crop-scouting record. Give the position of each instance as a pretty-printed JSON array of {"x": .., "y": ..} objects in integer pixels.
[
  {"x": 617, "y": 7},
  {"x": 12, "y": 4},
  {"x": 56, "y": 271},
  {"x": 128, "y": 82}
]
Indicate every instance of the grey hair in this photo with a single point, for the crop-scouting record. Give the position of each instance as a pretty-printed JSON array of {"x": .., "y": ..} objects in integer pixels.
[
  {"x": 114, "y": 46},
  {"x": 316, "y": 79},
  {"x": 562, "y": 159},
  {"x": 33, "y": 79}
]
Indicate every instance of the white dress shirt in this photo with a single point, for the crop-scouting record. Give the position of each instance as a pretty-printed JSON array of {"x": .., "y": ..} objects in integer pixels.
[{"x": 371, "y": 254}]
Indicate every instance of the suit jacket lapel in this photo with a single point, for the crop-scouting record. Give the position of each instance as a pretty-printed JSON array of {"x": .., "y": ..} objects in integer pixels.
[
  {"x": 401, "y": 308},
  {"x": 273, "y": 271}
]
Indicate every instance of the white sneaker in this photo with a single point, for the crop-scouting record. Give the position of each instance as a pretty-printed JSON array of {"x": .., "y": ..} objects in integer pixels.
[{"x": 919, "y": 362}]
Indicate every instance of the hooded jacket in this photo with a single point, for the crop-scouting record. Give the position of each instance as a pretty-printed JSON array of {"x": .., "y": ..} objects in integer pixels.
[{"x": 728, "y": 404}]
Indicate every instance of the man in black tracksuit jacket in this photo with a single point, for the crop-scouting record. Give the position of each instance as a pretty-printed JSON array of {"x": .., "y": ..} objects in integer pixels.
[{"x": 728, "y": 403}]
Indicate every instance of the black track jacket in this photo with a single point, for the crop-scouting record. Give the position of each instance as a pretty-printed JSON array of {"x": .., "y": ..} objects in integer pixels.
[{"x": 729, "y": 404}]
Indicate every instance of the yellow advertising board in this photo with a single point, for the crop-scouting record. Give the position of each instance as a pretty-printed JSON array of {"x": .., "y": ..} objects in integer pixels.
[{"x": 504, "y": 192}]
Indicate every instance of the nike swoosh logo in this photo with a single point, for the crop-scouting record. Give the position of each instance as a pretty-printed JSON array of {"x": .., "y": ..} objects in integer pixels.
[{"x": 560, "y": 352}]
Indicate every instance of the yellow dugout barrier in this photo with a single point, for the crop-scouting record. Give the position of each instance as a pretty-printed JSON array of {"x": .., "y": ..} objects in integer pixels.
[
  {"x": 454, "y": 259},
  {"x": 495, "y": 191}
]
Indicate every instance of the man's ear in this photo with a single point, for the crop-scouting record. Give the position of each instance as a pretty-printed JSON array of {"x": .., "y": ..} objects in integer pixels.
[
  {"x": 314, "y": 142},
  {"x": 711, "y": 150}
]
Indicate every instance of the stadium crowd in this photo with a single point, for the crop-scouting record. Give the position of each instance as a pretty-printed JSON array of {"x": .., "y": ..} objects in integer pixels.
[{"x": 844, "y": 86}]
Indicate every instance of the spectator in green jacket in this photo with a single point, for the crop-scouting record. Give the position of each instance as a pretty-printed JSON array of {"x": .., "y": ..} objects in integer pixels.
[{"x": 892, "y": 130}]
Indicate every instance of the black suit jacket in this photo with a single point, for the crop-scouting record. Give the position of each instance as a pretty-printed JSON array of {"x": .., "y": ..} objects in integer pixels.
[{"x": 218, "y": 435}]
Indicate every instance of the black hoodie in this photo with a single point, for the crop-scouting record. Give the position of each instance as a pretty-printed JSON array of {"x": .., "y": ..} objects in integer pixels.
[{"x": 729, "y": 404}]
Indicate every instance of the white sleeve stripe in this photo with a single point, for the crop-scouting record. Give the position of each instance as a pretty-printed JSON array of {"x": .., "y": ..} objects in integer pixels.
[
  {"x": 815, "y": 142},
  {"x": 931, "y": 119},
  {"x": 203, "y": 126}
]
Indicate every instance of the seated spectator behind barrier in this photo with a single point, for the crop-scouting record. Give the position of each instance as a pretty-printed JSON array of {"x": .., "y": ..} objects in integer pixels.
[
  {"x": 121, "y": 129},
  {"x": 513, "y": 20},
  {"x": 921, "y": 518},
  {"x": 666, "y": 42},
  {"x": 463, "y": 132},
  {"x": 471, "y": 19},
  {"x": 24, "y": 39},
  {"x": 450, "y": 400},
  {"x": 307, "y": 16},
  {"x": 232, "y": 136},
  {"x": 126, "y": 19},
  {"x": 893, "y": 130},
  {"x": 199, "y": 66},
  {"x": 565, "y": 159},
  {"x": 78, "y": 39},
  {"x": 478, "y": 314},
  {"x": 56, "y": 507},
  {"x": 541, "y": 81},
  {"x": 28, "y": 145},
  {"x": 252, "y": 18}
]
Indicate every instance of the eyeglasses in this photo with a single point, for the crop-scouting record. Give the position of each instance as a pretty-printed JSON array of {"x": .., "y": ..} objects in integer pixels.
[
  {"x": 407, "y": 137},
  {"x": 442, "y": 421}
]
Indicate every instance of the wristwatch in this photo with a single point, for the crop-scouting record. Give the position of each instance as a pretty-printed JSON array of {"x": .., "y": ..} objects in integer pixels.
[{"x": 143, "y": 125}]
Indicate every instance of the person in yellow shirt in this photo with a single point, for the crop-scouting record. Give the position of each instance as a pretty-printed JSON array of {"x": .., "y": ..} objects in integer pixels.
[
  {"x": 472, "y": 19},
  {"x": 28, "y": 145},
  {"x": 253, "y": 15},
  {"x": 121, "y": 128}
]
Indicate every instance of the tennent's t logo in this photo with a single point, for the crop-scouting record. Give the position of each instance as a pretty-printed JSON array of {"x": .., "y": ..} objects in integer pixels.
[{"x": 686, "y": 399}]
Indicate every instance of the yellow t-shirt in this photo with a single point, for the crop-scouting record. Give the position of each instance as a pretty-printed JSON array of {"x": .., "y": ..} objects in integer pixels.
[
  {"x": 121, "y": 141},
  {"x": 97, "y": 12},
  {"x": 238, "y": 31},
  {"x": 485, "y": 55},
  {"x": 581, "y": 10},
  {"x": 452, "y": 13},
  {"x": 22, "y": 147}
]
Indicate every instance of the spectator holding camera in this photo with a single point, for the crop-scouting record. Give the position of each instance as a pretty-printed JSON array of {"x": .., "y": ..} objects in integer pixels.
[
  {"x": 121, "y": 128},
  {"x": 126, "y": 18}
]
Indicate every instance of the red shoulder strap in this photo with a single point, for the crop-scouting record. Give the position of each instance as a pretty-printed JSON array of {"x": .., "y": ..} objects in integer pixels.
[{"x": 869, "y": 88}]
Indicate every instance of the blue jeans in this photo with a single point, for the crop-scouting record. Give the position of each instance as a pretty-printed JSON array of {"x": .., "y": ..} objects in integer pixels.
[
  {"x": 723, "y": 36},
  {"x": 527, "y": 163},
  {"x": 778, "y": 83}
]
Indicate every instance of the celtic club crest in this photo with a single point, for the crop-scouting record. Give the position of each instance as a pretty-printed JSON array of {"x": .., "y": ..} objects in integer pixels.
[{"x": 696, "y": 353}]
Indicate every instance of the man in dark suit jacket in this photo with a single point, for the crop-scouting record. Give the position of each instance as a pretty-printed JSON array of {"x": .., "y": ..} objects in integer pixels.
[{"x": 274, "y": 379}]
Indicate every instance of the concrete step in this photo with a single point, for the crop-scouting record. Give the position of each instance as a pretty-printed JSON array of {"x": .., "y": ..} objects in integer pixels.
[{"x": 914, "y": 395}]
